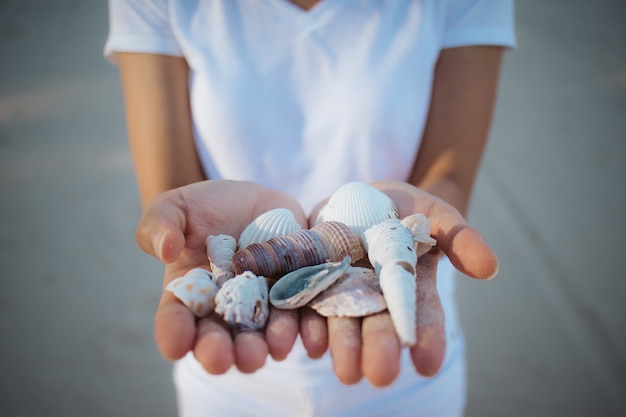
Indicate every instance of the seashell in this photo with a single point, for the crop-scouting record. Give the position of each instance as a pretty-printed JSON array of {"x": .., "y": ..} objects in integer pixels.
[
  {"x": 326, "y": 242},
  {"x": 196, "y": 289},
  {"x": 242, "y": 302},
  {"x": 390, "y": 251},
  {"x": 276, "y": 222},
  {"x": 355, "y": 294},
  {"x": 299, "y": 287},
  {"x": 359, "y": 206},
  {"x": 220, "y": 250},
  {"x": 419, "y": 225}
]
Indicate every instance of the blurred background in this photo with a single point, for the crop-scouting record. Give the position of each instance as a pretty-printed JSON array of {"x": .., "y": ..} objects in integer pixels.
[{"x": 77, "y": 297}]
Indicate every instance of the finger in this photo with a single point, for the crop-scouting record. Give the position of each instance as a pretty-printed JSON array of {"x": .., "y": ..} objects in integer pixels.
[
  {"x": 381, "y": 350},
  {"x": 250, "y": 351},
  {"x": 314, "y": 332},
  {"x": 344, "y": 341},
  {"x": 214, "y": 345},
  {"x": 160, "y": 229},
  {"x": 281, "y": 332},
  {"x": 174, "y": 328},
  {"x": 428, "y": 353}
]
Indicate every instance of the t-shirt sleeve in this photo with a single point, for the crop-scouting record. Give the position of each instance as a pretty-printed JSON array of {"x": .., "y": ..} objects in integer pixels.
[
  {"x": 140, "y": 26},
  {"x": 479, "y": 22}
]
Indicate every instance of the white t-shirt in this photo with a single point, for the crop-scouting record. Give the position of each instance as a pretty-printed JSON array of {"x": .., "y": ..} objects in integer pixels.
[{"x": 307, "y": 101}]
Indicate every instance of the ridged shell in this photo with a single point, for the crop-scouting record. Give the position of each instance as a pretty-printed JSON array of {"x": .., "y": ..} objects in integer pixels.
[
  {"x": 220, "y": 250},
  {"x": 196, "y": 289},
  {"x": 326, "y": 242},
  {"x": 419, "y": 225},
  {"x": 299, "y": 287},
  {"x": 356, "y": 294},
  {"x": 390, "y": 251},
  {"x": 276, "y": 222},
  {"x": 359, "y": 206},
  {"x": 243, "y": 302}
]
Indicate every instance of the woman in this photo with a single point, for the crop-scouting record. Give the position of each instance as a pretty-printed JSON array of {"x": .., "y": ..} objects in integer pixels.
[{"x": 301, "y": 97}]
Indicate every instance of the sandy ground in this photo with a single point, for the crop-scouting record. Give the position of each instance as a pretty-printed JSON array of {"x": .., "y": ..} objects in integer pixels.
[{"x": 77, "y": 297}]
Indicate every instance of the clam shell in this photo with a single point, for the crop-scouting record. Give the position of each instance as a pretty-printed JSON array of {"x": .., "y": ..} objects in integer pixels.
[
  {"x": 390, "y": 251},
  {"x": 359, "y": 206},
  {"x": 276, "y": 222},
  {"x": 299, "y": 287},
  {"x": 220, "y": 250},
  {"x": 326, "y": 242},
  {"x": 355, "y": 294},
  {"x": 419, "y": 225},
  {"x": 242, "y": 302},
  {"x": 196, "y": 289}
]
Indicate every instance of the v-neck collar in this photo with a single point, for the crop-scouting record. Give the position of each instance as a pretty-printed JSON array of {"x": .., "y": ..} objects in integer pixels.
[{"x": 305, "y": 19}]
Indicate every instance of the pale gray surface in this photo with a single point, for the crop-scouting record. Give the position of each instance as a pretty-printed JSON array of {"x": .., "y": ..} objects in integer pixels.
[{"x": 77, "y": 297}]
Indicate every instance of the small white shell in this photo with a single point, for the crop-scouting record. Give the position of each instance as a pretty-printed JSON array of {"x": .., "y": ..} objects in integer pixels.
[
  {"x": 276, "y": 222},
  {"x": 242, "y": 302},
  {"x": 220, "y": 250},
  {"x": 196, "y": 289},
  {"x": 419, "y": 225},
  {"x": 297, "y": 288},
  {"x": 355, "y": 294},
  {"x": 359, "y": 206},
  {"x": 390, "y": 251}
]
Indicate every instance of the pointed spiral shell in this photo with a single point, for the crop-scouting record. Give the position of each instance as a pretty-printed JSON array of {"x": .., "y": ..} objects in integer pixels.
[
  {"x": 326, "y": 242},
  {"x": 220, "y": 250}
]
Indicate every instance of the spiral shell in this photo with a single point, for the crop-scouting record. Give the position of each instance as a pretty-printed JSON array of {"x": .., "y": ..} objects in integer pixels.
[
  {"x": 390, "y": 251},
  {"x": 276, "y": 222},
  {"x": 419, "y": 225},
  {"x": 359, "y": 206},
  {"x": 326, "y": 242},
  {"x": 196, "y": 289},
  {"x": 243, "y": 302},
  {"x": 220, "y": 250}
]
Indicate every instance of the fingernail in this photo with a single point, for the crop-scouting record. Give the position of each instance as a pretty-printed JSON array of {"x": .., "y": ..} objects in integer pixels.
[{"x": 158, "y": 238}]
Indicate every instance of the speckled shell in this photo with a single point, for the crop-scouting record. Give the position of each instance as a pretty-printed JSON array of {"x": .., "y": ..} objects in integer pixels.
[
  {"x": 220, "y": 250},
  {"x": 390, "y": 251},
  {"x": 196, "y": 289},
  {"x": 276, "y": 222},
  {"x": 326, "y": 242},
  {"x": 419, "y": 225},
  {"x": 243, "y": 302},
  {"x": 359, "y": 206},
  {"x": 355, "y": 294},
  {"x": 299, "y": 287}
]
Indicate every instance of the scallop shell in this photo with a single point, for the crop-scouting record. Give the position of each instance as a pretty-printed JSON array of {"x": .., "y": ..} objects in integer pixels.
[
  {"x": 419, "y": 225},
  {"x": 276, "y": 222},
  {"x": 220, "y": 250},
  {"x": 326, "y": 242},
  {"x": 359, "y": 206},
  {"x": 390, "y": 251},
  {"x": 355, "y": 294},
  {"x": 242, "y": 302},
  {"x": 196, "y": 289},
  {"x": 299, "y": 287}
]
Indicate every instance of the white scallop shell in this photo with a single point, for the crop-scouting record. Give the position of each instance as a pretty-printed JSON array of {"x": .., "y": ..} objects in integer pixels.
[
  {"x": 359, "y": 206},
  {"x": 419, "y": 225},
  {"x": 220, "y": 250},
  {"x": 355, "y": 294},
  {"x": 243, "y": 302},
  {"x": 390, "y": 251},
  {"x": 276, "y": 222},
  {"x": 196, "y": 289}
]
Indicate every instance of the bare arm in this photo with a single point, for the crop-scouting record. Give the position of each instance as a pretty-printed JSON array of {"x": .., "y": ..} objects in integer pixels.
[
  {"x": 462, "y": 104},
  {"x": 158, "y": 118}
]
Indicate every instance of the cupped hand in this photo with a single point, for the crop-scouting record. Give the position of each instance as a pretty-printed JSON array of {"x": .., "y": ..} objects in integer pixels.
[
  {"x": 174, "y": 228},
  {"x": 369, "y": 347}
]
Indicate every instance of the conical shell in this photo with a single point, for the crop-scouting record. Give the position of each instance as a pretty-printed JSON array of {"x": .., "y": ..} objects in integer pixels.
[
  {"x": 220, "y": 250},
  {"x": 356, "y": 294},
  {"x": 326, "y": 242},
  {"x": 243, "y": 302},
  {"x": 359, "y": 206},
  {"x": 299, "y": 287},
  {"x": 276, "y": 222},
  {"x": 419, "y": 225},
  {"x": 196, "y": 289},
  {"x": 390, "y": 251}
]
